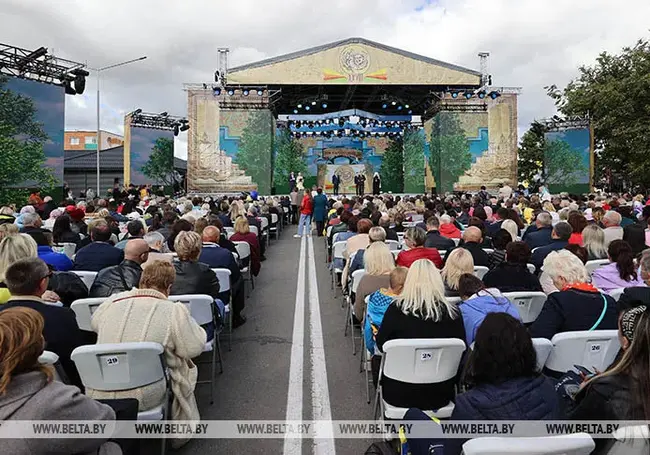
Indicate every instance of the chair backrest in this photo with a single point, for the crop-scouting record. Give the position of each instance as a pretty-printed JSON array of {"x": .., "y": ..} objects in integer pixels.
[
  {"x": 442, "y": 253},
  {"x": 48, "y": 358},
  {"x": 274, "y": 218},
  {"x": 328, "y": 231},
  {"x": 84, "y": 310},
  {"x": 531, "y": 268},
  {"x": 616, "y": 293},
  {"x": 593, "y": 265},
  {"x": 590, "y": 349},
  {"x": 568, "y": 444},
  {"x": 356, "y": 279},
  {"x": 543, "y": 348},
  {"x": 480, "y": 271},
  {"x": 66, "y": 248},
  {"x": 201, "y": 306},
  {"x": 393, "y": 245},
  {"x": 87, "y": 277},
  {"x": 456, "y": 241},
  {"x": 223, "y": 275},
  {"x": 455, "y": 300},
  {"x": 265, "y": 222},
  {"x": 243, "y": 249},
  {"x": 395, "y": 253},
  {"x": 254, "y": 230},
  {"x": 529, "y": 304},
  {"x": 229, "y": 230},
  {"x": 422, "y": 360},
  {"x": 488, "y": 250},
  {"x": 119, "y": 366},
  {"x": 337, "y": 250}
]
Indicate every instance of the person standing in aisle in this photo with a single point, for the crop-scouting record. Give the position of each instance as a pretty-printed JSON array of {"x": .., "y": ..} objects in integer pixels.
[
  {"x": 306, "y": 211},
  {"x": 320, "y": 211},
  {"x": 295, "y": 202}
]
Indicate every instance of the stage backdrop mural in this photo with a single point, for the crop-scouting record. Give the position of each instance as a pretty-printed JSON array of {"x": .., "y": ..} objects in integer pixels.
[
  {"x": 151, "y": 156},
  {"x": 567, "y": 160},
  {"x": 31, "y": 133}
]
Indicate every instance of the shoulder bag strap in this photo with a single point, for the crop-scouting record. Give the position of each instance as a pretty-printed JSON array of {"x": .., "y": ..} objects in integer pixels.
[{"x": 602, "y": 314}]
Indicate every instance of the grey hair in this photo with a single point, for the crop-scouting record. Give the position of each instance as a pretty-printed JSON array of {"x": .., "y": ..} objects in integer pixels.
[
  {"x": 613, "y": 218},
  {"x": 153, "y": 237},
  {"x": 565, "y": 264},
  {"x": 545, "y": 219},
  {"x": 30, "y": 218},
  {"x": 24, "y": 276},
  {"x": 377, "y": 234}
]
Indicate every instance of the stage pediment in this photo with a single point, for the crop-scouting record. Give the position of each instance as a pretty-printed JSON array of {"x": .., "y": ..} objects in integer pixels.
[{"x": 353, "y": 61}]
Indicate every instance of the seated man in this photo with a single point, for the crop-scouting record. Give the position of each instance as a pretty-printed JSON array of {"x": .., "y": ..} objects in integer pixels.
[
  {"x": 414, "y": 239},
  {"x": 434, "y": 238},
  {"x": 541, "y": 235},
  {"x": 27, "y": 280},
  {"x": 124, "y": 276},
  {"x": 32, "y": 223},
  {"x": 135, "y": 230},
  {"x": 157, "y": 246},
  {"x": 472, "y": 242},
  {"x": 99, "y": 253},
  {"x": 384, "y": 222},
  {"x": 559, "y": 239}
]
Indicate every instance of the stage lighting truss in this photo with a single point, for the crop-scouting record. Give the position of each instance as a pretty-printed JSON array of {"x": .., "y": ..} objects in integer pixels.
[
  {"x": 238, "y": 96},
  {"x": 40, "y": 66},
  {"x": 395, "y": 104},
  {"x": 162, "y": 121},
  {"x": 355, "y": 126},
  {"x": 319, "y": 102},
  {"x": 557, "y": 123}
]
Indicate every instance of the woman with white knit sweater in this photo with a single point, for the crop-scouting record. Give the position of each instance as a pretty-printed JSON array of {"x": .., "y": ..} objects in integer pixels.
[{"x": 145, "y": 314}]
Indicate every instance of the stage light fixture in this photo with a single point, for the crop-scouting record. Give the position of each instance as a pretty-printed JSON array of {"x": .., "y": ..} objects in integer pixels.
[
  {"x": 295, "y": 111},
  {"x": 454, "y": 95},
  {"x": 260, "y": 92},
  {"x": 313, "y": 103},
  {"x": 245, "y": 92},
  {"x": 494, "y": 95},
  {"x": 384, "y": 106},
  {"x": 176, "y": 129},
  {"x": 307, "y": 108},
  {"x": 406, "y": 106},
  {"x": 231, "y": 92},
  {"x": 481, "y": 94},
  {"x": 217, "y": 91},
  {"x": 300, "y": 106},
  {"x": 468, "y": 95},
  {"x": 410, "y": 112},
  {"x": 68, "y": 88},
  {"x": 137, "y": 112},
  {"x": 185, "y": 127},
  {"x": 324, "y": 105},
  {"x": 297, "y": 135},
  {"x": 393, "y": 103},
  {"x": 164, "y": 114},
  {"x": 80, "y": 80},
  {"x": 399, "y": 108}
]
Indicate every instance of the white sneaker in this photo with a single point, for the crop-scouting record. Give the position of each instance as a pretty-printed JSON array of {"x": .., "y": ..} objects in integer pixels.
[{"x": 296, "y": 236}]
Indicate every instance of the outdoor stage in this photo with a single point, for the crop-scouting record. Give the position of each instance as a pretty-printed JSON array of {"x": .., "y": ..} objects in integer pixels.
[{"x": 346, "y": 108}]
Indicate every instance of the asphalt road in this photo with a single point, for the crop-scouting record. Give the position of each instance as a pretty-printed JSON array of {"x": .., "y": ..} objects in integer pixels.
[{"x": 282, "y": 367}]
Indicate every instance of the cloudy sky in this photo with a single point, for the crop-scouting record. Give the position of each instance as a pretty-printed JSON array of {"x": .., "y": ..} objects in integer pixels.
[{"x": 532, "y": 43}]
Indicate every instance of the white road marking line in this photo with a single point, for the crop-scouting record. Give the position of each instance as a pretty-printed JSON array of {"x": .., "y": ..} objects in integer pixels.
[
  {"x": 293, "y": 446},
  {"x": 320, "y": 396}
]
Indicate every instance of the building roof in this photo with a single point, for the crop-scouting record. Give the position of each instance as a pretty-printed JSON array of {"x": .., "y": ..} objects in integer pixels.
[
  {"x": 324, "y": 47},
  {"x": 108, "y": 159}
]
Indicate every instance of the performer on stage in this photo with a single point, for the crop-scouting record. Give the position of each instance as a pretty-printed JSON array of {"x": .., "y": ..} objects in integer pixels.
[
  {"x": 300, "y": 182},
  {"x": 336, "y": 181},
  {"x": 376, "y": 184},
  {"x": 360, "y": 180},
  {"x": 292, "y": 182}
]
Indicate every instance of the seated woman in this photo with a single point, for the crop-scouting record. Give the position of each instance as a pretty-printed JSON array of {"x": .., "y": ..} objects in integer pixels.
[
  {"x": 62, "y": 231},
  {"x": 578, "y": 305},
  {"x": 151, "y": 317},
  {"x": 513, "y": 275},
  {"x": 243, "y": 234},
  {"x": 593, "y": 239},
  {"x": 578, "y": 224},
  {"x": 459, "y": 261},
  {"x": 478, "y": 302},
  {"x": 621, "y": 273},
  {"x": 503, "y": 380},
  {"x": 379, "y": 262},
  {"x": 500, "y": 241},
  {"x": 420, "y": 311},
  {"x": 621, "y": 392},
  {"x": 28, "y": 391}
]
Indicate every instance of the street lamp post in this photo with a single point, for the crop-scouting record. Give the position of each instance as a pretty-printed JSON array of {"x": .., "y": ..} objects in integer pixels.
[{"x": 99, "y": 70}]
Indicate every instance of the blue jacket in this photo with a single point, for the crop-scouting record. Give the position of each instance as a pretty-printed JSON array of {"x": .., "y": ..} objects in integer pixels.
[
  {"x": 540, "y": 237},
  {"x": 538, "y": 256},
  {"x": 320, "y": 207},
  {"x": 378, "y": 303},
  {"x": 60, "y": 262},
  {"x": 477, "y": 307},
  {"x": 220, "y": 258},
  {"x": 96, "y": 256}
]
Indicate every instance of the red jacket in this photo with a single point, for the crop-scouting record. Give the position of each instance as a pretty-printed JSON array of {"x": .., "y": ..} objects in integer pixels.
[
  {"x": 406, "y": 258},
  {"x": 307, "y": 206},
  {"x": 450, "y": 231}
]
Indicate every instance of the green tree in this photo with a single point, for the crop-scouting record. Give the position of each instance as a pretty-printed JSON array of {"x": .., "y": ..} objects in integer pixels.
[
  {"x": 615, "y": 92},
  {"x": 392, "y": 168},
  {"x": 289, "y": 158},
  {"x": 413, "y": 161},
  {"x": 530, "y": 158},
  {"x": 255, "y": 148},
  {"x": 22, "y": 158},
  {"x": 160, "y": 166},
  {"x": 450, "y": 155},
  {"x": 562, "y": 164}
]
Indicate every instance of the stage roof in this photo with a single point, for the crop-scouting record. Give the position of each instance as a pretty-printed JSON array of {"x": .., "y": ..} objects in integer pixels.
[{"x": 354, "y": 73}]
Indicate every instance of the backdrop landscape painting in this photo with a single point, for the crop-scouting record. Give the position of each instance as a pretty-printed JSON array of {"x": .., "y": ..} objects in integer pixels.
[
  {"x": 149, "y": 147},
  {"x": 31, "y": 132},
  {"x": 567, "y": 160}
]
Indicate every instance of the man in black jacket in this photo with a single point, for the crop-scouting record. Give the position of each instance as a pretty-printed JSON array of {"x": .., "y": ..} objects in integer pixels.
[
  {"x": 384, "y": 222},
  {"x": 99, "y": 254},
  {"x": 559, "y": 239},
  {"x": 472, "y": 239},
  {"x": 27, "y": 280},
  {"x": 434, "y": 238},
  {"x": 124, "y": 276},
  {"x": 542, "y": 234}
]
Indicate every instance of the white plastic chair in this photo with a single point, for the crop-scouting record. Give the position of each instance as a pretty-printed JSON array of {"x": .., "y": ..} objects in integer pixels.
[
  {"x": 590, "y": 349},
  {"x": 337, "y": 253},
  {"x": 223, "y": 275},
  {"x": 488, "y": 250},
  {"x": 531, "y": 268},
  {"x": 52, "y": 359},
  {"x": 120, "y": 367},
  {"x": 66, "y": 248},
  {"x": 349, "y": 320},
  {"x": 529, "y": 304},
  {"x": 568, "y": 444},
  {"x": 616, "y": 293},
  {"x": 394, "y": 245},
  {"x": 265, "y": 225},
  {"x": 84, "y": 310},
  {"x": 480, "y": 271},
  {"x": 543, "y": 348},
  {"x": 456, "y": 241},
  {"x": 254, "y": 230},
  {"x": 229, "y": 230},
  {"x": 418, "y": 361},
  {"x": 595, "y": 264},
  {"x": 86, "y": 276},
  {"x": 203, "y": 310},
  {"x": 631, "y": 440},
  {"x": 274, "y": 226},
  {"x": 244, "y": 251}
]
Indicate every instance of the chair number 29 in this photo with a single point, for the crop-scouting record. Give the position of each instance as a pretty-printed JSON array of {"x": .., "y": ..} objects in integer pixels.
[{"x": 110, "y": 361}]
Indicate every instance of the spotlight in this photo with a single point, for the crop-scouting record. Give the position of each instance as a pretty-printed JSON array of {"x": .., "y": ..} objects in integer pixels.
[
  {"x": 68, "y": 88},
  {"x": 176, "y": 129},
  {"x": 324, "y": 105},
  {"x": 260, "y": 92},
  {"x": 406, "y": 106},
  {"x": 454, "y": 95},
  {"x": 164, "y": 114},
  {"x": 494, "y": 95},
  {"x": 307, "y": 108},
  {"x": 80, "y": 80},
  {"x": 231, "y": 92},
  {"x": 245, "y": 92},
  {"x": 410, "y": 112},
  {"x": 394, "y": 103},
  {"x": 298, "y": 135},
  {"x": 217, "y": 91},
  {"x": 341, "y": 122},
  {"x": 185, "y": 127},
  {"x": 137, "y": 112},
  {"x": 468, "y": 95},
  {"x": 300, "y": 106},
  {"x": 481, "y": 94},
  {"x": 313, "y": 103},
  {"x": 295, "y": 111},
  {"x": 399, "y": 108},
  {"x": 384, "y": 106}
]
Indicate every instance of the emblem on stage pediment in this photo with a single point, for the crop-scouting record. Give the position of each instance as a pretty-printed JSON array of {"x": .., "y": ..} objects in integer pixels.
[{"x": 354, "y": 64}]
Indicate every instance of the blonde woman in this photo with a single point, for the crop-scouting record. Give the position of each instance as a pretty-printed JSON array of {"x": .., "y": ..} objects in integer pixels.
[
  {"x": 420, "y": 311},
  {"x": 459, "y": 261},
  {"x": 243, "y": 234},
  {"x": 378, "y": 263},
  {"x": 593, "y": 239},
  {"x": 512, "y": 228},
  {"x": 8, "y": 229},
  {"x": 14, "y": 248}
]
